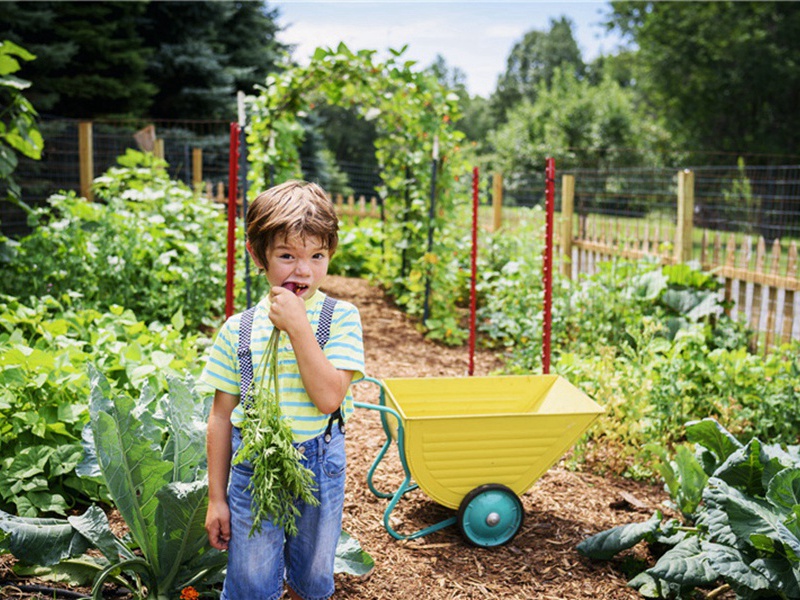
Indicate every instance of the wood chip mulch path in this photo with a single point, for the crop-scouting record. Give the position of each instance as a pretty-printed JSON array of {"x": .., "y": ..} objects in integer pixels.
[{"x": 562, "y": 508}]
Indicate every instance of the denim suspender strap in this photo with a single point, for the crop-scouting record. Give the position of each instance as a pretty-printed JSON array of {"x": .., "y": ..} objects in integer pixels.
[
  {"x": 322, "y": 334},
  {"x": 245, "y": 357}
]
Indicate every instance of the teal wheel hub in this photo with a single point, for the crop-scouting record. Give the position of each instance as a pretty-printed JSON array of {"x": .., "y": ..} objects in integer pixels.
[{"x": 490, "y": 515}]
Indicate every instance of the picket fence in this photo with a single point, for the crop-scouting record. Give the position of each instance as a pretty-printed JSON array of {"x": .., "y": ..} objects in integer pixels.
[{"x": 758, "y": 288}]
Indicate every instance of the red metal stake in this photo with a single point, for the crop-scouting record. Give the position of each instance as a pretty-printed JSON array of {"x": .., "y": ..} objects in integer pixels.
[
  {"x": 233, "y": 177},
  {"x": 547, "y": 267},
  {"x": 473, "y": 278}
]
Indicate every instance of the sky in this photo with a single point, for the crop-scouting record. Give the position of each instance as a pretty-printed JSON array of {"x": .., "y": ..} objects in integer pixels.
[{"x": 474, "y": 36}]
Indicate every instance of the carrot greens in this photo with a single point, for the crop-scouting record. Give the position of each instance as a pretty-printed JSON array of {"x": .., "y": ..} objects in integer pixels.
[{"x": 279, "y": 478}]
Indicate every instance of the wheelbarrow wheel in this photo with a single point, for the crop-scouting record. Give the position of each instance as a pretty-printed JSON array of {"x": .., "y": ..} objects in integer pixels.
[{"x": 490, "y": 515}]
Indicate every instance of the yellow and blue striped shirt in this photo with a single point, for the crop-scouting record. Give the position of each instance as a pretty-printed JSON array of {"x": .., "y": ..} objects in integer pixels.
[{"x": 345, "y": 350}]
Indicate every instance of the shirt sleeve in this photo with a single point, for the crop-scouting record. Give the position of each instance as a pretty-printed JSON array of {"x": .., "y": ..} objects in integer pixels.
[
  {"x": 221, "y": 371},
  {"x": 345, "y": 347}
]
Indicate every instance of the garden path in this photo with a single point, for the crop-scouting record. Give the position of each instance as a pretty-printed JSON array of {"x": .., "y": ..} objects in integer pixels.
[{"x": 562, "y": 508}]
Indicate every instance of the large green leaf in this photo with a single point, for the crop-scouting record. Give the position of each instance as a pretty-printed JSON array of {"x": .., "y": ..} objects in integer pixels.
[
  {"x": 132, "y": 469},
  {"x": 747, "y": 516},
  {"x": 181, "y": 525},
  {"x": 351, "y": 558},
  {"x": 40, "y": 541},
  {"x": 686, "y": 564},
  {"x": 744, "y": 469},
  {"x": 713, "y": 436},
  {"x": 784, "y": 490},
  {"x": 94, "y": 526},
  {"x": 607, "y": 544},
  {"x": 187, "y": 439},
  {"x": 734, "y": 567}
]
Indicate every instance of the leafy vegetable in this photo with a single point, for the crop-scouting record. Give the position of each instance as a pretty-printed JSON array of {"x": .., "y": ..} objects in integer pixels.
[
  {"x": 745, "y": 531},
  {"x": 279, "y": 478}
]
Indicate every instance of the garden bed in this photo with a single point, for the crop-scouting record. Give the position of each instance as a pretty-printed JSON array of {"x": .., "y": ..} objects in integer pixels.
[{"x": 561, "y": 509}]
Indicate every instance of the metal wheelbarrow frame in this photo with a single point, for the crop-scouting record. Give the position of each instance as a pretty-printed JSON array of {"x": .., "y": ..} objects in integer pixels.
[{"x": 475, "y": 444}]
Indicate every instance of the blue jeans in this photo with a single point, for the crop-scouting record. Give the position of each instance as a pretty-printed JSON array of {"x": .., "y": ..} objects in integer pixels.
[{"x": 257, "y": 565}]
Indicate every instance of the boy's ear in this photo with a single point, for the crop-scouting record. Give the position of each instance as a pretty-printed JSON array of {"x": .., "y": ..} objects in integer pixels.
[{"x": 253, "y": 255}]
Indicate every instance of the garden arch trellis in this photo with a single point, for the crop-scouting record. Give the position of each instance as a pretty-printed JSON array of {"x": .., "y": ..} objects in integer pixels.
[{"x": 414, "y": 116}]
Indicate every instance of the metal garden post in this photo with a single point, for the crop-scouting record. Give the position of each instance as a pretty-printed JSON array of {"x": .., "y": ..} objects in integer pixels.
[
  {"x": 431, "y": 215},
  {"x": 547, "y": 266}
]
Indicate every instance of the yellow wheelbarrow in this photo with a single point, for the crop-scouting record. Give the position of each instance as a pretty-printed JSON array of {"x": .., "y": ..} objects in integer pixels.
[{"x": 475, "y": 444}]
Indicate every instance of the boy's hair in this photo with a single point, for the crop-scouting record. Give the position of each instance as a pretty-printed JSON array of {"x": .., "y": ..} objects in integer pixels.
[{"x": 294, "y": 208}]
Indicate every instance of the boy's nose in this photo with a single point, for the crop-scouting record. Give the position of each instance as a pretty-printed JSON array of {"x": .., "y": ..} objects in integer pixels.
[{"x": 303, "y": 267}]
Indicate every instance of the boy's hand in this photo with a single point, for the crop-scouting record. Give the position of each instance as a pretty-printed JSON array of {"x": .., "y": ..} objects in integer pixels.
[
  {"x": 218, "y": 525},
  {"x": 286, "y": 309}
]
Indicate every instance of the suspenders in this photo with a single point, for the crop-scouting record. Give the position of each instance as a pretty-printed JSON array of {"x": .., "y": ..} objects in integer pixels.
[{"x": 246, "y": 358}]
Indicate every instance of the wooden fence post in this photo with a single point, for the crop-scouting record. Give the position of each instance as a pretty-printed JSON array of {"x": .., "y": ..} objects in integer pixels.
[
  {"x": 158, "y": 149},
  {"x": 86, "y": 159},
  {"x": 685, "y": 221},
  {"x": 197, "y": 168},
  {"x": 567, "y": 204},
  {"x": 497, "y": 201}
]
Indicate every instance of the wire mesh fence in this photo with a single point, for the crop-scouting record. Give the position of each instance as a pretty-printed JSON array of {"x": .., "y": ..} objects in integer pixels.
[{"x": 59, "y": 167}]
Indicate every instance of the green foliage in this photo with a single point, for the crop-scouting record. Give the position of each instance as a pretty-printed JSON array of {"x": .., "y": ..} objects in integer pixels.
[
  {"x": 582, "y": 125},
  {"x": 150, "y": 454},
  {"x": 740, "y": 520},
  {"x": 169, "y": 60},
  {"x": 532, "y": 64},
  {"x": 19, "y": 132},
  {"x": 151, "y": 246},
  {"x": 720, "y": 72},
  {"x": 92, "y": 60},
  {"x": 45, "y": 347}
]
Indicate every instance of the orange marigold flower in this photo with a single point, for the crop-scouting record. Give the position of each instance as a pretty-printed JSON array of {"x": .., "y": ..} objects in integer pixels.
[{"x": 189, "y": 593}]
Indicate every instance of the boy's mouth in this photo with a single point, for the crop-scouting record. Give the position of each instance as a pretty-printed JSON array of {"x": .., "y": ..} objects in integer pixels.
[{"x": 296, "y": 288}]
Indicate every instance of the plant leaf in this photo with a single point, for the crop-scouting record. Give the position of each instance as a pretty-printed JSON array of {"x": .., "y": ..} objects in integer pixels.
[
  {"x": 686, "y": 564},
  {"x": 607, "y": 544},
  {"x": 713, "y": 436},
  {"x": 784, "y": 490},
  {"x": 181, "y": 524},
  {"x": 131, "y": 468},
  {"x": 94, "y": 526},
  {"x": 187, "y": 432},
  {"x": 732, "y": 565},
  {"x": 744, "y": 469},
  {"x": 351, "y": 558},
  {"x": 40, "y": 541}
]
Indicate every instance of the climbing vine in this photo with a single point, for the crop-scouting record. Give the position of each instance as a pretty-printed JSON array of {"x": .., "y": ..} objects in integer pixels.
[{"x": 413, "y": 113}]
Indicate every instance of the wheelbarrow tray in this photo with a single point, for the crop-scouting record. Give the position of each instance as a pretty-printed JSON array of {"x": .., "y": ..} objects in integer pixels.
[{"x": 464, "y": 432}]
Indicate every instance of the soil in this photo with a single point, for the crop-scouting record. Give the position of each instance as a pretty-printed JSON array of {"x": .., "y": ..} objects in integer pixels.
[{"x": 561, "y": 509}]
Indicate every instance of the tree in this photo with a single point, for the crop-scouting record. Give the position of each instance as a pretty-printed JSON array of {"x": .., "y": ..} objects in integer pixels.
[
  {"x": 92, "y": 60},
  {"x": 580, "y": 124},
  {"x": 533, "y": 60},
  {"x": 724, "y": 74},
  {"x": 175, "y": 60},
  {"x": 204, "y": 52}
]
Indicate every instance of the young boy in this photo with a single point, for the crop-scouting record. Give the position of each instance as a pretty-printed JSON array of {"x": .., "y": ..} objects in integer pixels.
[{"x": 292, "y": 232}]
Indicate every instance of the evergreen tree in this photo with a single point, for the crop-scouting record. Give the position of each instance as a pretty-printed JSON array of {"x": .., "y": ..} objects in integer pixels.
[{"x": 91, "y": 58}]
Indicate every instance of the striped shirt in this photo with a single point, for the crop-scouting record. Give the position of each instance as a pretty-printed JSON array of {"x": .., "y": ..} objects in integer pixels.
[{"x": 345, "y": 350}]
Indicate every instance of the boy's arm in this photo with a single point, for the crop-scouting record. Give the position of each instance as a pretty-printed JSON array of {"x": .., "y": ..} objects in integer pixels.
[
  {"x": 218, "y": 446},
  {"x": 324, "y": 383}
]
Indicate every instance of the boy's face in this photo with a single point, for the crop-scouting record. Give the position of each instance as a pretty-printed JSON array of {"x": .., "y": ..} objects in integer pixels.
[{"x": 302, "y": 261}]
